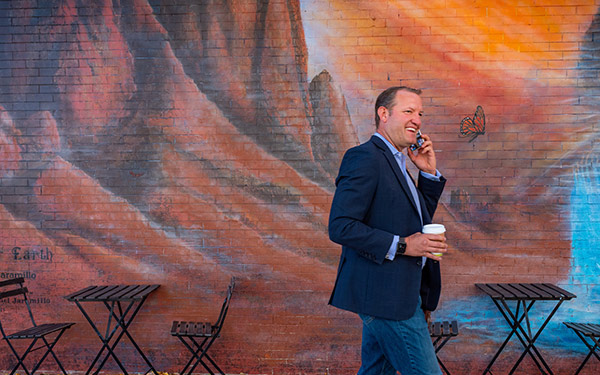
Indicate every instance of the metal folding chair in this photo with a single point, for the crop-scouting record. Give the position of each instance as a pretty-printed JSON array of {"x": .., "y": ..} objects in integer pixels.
[
  {"x": 441, "y": 332},
  {"x": 198, "y": 337},
  {"x": 587, "y": 331},
  {"x": 35, "y": 333}
]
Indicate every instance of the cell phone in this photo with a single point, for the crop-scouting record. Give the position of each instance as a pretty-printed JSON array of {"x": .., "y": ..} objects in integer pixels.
[{"x": 419, "y": 142}]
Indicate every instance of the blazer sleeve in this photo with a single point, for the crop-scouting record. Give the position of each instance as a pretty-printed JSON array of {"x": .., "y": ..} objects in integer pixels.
[
  {"x": 356, "y": 185},
  {"x": 431, "y": 192}
]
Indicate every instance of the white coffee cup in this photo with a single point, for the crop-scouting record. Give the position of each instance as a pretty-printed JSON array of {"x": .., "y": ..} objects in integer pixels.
[{"x": 434, "y": 229}]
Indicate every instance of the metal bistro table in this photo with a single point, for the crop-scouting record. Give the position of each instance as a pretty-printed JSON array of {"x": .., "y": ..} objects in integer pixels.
[
  {"x": 114, "y": 297},
  {"x": 525, "y": 294}
]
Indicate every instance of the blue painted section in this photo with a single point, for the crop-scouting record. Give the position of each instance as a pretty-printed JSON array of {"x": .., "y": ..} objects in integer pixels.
[
  {"x": 479, "y": 316},
  {"x": 585, "y": 253}
]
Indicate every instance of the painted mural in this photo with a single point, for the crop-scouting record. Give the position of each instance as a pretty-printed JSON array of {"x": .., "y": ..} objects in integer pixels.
[{"x": 184, "y": 142}]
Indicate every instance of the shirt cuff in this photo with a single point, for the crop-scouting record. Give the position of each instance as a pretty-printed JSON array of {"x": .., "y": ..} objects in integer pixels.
[
  {"x": 429, "y": 176},
  {"x": 391, "y": 254}
]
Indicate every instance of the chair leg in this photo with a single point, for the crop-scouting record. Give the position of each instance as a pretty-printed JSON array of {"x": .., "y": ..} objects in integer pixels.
[
  {"x": 443, "y": 366},
  {"x": 200, "y": 361},
  {"x": 50, "y": 351},
  {"x": 194, "y": 355},
  {"x": 202, "y": 348},
  {"x": 189, "y": 362},
  {"x": 438, "y": 344},
  {"x": 39, "y": 363},
  {"x": 199, "y": 354},
  {"x": 214, "y": 364},
  {"x": 21, "y": 359},
  {"x": 592, "y": 348},
  {"x": 587, "y": 358}
]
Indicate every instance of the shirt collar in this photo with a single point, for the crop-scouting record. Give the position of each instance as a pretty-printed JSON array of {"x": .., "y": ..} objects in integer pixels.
[{"x": 393, "y": 149}]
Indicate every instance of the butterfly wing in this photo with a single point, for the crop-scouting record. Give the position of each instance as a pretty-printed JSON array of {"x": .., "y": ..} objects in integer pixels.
[
  {"x": 466, "y": 127},
  {"x": 475, "y": 126},
  {"x": 479, "y": 121}
]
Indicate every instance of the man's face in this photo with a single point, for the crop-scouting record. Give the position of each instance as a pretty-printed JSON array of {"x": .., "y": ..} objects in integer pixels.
[{"x": 400, "y": 124}]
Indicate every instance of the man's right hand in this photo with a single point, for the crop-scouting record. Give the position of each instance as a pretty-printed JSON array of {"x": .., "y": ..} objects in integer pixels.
[{"x": 423, "y": 245}]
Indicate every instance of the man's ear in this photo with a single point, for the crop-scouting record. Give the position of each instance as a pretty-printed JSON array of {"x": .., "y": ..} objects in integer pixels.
[{"x": 383, "y": 113}]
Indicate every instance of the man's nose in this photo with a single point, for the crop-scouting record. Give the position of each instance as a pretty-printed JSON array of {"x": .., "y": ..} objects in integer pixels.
[{"x": 416, "y": 120}]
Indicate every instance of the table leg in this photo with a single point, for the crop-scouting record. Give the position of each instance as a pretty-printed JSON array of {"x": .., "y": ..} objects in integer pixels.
[
  {"x": 124, "y": 324},
  {"x": 110, "y": 334},
  {"x": 105, "y": 343},
  {"x": 513, "y": 331},
  {"x": 514, "y": 321},
  {"x": 531, "y": 342},
  {"x": 526, "y": 339}
]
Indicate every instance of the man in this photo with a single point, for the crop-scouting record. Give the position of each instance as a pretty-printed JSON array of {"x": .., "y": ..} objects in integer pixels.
[{"x": 387, "y": 272}]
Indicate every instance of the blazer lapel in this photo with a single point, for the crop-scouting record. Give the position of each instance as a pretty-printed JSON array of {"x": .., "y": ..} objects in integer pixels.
[{"x": 396, "y": 168}]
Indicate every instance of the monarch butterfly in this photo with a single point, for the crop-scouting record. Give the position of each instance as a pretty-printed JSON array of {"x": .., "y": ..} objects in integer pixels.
[{"x": 475, "y": 126}]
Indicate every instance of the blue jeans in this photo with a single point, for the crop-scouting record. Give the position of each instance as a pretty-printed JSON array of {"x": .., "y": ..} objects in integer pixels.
[{"x": 403, "y": 345}]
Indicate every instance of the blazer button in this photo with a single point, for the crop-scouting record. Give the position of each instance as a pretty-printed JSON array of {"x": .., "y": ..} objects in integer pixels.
[{"x": 419, "y": 263}]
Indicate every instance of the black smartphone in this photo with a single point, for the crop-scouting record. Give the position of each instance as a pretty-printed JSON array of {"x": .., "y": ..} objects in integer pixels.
[{"x": 419, "y": 142}]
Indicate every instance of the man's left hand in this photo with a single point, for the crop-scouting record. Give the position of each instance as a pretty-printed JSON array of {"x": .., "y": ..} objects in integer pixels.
[{"x": 424, "y": 159}]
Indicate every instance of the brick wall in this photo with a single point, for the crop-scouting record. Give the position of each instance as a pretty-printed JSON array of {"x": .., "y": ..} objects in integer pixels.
[{"x": 184, "y": 142}]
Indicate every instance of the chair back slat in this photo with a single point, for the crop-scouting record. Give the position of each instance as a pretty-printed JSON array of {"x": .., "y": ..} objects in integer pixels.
[
  {"x": 225, "y": 307},
  {"x": 12, "y": 287},
  {"x": 6, "y": 292},
  {"x": 17, "y": 290},
  {"x": 18, "y": 280},
  {"x": 14, "y": 292}
]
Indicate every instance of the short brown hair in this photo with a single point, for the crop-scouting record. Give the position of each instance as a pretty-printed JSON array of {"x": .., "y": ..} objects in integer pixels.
[{"x": 387, "y": 97}]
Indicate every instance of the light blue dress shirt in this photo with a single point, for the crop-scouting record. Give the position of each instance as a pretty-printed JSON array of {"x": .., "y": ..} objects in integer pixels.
[{"x": 401, "y": 160}]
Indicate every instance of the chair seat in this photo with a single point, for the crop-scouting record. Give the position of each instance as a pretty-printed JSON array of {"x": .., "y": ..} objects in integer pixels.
[
  {"x": 587, "y": 329},
  {"x": 589, "y": 333},
  {"x": 195, "y": 329},
  {"x": 441, "y": 333},
  {"x": 39, "y": 331},
  {"x": 443, "y": 329}
]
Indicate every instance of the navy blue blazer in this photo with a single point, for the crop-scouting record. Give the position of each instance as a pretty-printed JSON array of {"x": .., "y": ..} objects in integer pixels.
[{"x": 372, "y": 203}]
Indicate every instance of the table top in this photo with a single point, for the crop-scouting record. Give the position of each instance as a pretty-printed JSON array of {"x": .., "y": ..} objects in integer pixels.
[
  {"x": 525, "y": 291},
  {"x": 100, "y": 293}
]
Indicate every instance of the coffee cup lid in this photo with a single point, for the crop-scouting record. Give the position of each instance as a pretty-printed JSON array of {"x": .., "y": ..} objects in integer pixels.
[{"x": 434, "y": 227}]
